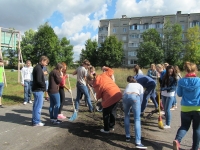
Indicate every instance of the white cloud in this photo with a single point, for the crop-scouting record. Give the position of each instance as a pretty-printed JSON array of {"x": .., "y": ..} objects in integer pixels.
[
  {"x": 77, "y": 50},
  {"x": 80, "y": 38},
  {"x": 73, "y": 26},
  {"x": 155, "y": 7}
]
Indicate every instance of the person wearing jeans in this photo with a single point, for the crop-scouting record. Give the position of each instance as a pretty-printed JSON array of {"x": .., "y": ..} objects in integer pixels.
[
  {"x": 168, "y": 88},
  {"x": 38, "y": 89},
  {"x": 189, "y": 90},
  {"x": 81, "y": 85},
  {"x": 26, "y": 81},
  {"x": 132, "y": 98},
  {"x": 150, "y": 92},
  {"x": 55, "y": 78}
]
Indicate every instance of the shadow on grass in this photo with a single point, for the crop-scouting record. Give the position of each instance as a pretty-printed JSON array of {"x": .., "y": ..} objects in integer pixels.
[{"x": 14, "y": 98}]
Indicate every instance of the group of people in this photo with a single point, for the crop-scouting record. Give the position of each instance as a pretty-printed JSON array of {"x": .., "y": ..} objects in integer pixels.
[
  {"x": 139, "y": 90},
  {"x": 38, "y": 80},
  {"x": 171, "y": 83}
]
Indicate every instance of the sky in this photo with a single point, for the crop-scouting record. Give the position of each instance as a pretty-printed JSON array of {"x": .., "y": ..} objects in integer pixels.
[{"x": 78, "y": 20}]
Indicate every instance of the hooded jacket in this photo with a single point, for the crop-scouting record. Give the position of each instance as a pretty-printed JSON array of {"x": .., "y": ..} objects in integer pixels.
[{"x": 189, "y": 90}]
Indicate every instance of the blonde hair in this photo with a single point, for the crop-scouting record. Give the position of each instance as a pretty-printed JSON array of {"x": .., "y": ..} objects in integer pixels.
[
  {"x": 159, "y": 66},
  {"x": 190, "y": 67}
]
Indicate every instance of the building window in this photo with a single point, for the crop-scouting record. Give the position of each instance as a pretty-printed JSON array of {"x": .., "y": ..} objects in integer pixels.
[
  {"x": 183, "y": 27},
  {"x": 134, "y": 27},
  {"x": 124, "y": 38},
  {"x": 124, "y": 29},
  {"x": 130, "y": 61},
  {"x": 141, "y": 36},
  {"x": 194, "y": 23},
  {"x": 146, "y": 26},
  {"x": 132, "y": 53},
  {"x": 133, "y": 36},
  {"x": 114, "y": 30},
  {"x": 133, "y": 44},
  {"x": 157, "y": 25}
]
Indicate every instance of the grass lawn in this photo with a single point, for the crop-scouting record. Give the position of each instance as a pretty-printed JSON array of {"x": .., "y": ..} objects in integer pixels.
[{"x": 14, "y": 92}]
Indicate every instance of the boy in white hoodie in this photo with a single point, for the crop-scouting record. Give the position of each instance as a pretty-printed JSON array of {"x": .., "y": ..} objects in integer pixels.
[{"x": 26, "y": 81}]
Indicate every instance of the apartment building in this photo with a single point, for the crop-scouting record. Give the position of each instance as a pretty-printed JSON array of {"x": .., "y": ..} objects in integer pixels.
[{"x": 129, "y": 30}]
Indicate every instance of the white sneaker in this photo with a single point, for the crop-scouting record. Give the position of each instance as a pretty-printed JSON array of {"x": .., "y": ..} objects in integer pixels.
[
  {"x": 102, "y": 130},
  {"x": 25, "y": 103},
  {"x": 39, "y": 124},
  {"x": 167, "y": 127},
  {"x": 30, "y": 102}
]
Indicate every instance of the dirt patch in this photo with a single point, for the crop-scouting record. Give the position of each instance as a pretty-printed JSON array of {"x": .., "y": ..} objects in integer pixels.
[{"x": 84, "y": 133}]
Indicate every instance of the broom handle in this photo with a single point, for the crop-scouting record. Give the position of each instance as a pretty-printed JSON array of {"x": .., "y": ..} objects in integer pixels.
[
  {"x": 71, "y": 92},
  {"x": 92, "y": 93}
]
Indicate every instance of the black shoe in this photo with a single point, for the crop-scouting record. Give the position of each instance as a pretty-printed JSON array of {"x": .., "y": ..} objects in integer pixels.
[
  {"x": 128, "y": 139},
  {"x": 142, "y": 114}
]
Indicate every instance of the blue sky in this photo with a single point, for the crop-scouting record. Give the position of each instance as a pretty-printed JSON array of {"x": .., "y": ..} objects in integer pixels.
[{"x": 78, "y": 20}]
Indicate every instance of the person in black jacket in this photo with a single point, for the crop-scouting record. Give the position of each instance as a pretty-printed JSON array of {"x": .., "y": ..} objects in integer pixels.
[{"x": 38, "y": 89}]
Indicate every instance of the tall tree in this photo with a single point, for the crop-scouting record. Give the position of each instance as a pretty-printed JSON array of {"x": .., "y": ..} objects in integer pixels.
[
  {"x": 90, "y": 52},
  {"x": 172, "y": 43},
  {"x": 46, "y": 43},
  {"x": 65, "y": 54},
  {"x": 150, "y": 50},
  {"x": 27, "y": 47},
  {"x": 192, "y": 48},
  {"x": 148, "y": 53},
  {"x": 111, "y": 52}
]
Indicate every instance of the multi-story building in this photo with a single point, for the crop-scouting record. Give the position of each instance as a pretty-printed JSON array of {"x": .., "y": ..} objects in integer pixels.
[{"x": 129, "y": 30}]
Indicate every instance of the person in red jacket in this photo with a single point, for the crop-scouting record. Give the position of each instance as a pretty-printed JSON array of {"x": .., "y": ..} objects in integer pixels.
[{"x": 109, "y": 92}]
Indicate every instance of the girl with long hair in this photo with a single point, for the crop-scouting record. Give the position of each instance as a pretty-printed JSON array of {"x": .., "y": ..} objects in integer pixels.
[{"x": 168, "y": 88}]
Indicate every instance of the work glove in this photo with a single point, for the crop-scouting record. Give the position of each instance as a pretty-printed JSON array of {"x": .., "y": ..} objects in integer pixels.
[{"x": 70, "y": 91}]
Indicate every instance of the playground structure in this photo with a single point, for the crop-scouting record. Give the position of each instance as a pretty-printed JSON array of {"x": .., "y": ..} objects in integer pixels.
[{"x": 10, "y": 39}]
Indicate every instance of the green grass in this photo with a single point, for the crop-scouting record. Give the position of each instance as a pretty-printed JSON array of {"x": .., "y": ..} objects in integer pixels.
[{"x": 14, "y": 92}]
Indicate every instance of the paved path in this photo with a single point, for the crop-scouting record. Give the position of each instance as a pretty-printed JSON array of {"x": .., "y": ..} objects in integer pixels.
[{"x": 16, "y": 132}]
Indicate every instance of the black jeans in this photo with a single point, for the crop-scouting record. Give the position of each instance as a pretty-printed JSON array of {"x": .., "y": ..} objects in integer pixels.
[
  {"x": 62, "y": 98},
  {"x": 109, "y": 115},
  {"x": 186, "y": 119}
]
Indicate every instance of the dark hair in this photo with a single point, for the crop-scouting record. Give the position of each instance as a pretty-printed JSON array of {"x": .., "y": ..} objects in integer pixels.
[
  {"x": 86, "y": 62},
  {"x": 130, "y": 79},
  {"x": 58, "y": 66},
  {"x": 166, "y": 76},
  {"x": 136, "y": 68}
]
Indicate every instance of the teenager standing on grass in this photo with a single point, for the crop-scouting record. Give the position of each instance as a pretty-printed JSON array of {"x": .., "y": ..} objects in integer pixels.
[
  {"x": 27, "y": 81},
  {"x": 109, "y": 92},
  {"x": 81, "y": 86},
  {"x": 132, "y": 97},
  {"x": 168, "y": 88},
  {"x": 137, "y": 70},
  {"x": 55, "y": 78},
  {"x": 62, "y": 87},
  {"x": 38, "y": 89},
  {"x": 1, "y": 80},
  {"x": 189, "y": 90}
]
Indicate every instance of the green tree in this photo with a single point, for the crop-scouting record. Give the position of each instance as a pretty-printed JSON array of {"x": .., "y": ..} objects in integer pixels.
[
  {"x": 27, "y": 47},
  {"x": 90, "y": 52},
  {"x": 172, "y": 43},
  {"x": 150, "y": 50},
  {"x": 148, "y": 53},
  {"x": 192, "y": 48},
  {"x": 111, "y": 52},
  {"x": 46, "y": 43},
  {"x": 65, "y": 53}
]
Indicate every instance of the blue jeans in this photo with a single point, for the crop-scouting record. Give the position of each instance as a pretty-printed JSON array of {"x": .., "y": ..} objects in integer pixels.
[
  {"x": 167, "y": 104},
  {"x": 27, "y": 90},
  {"x": 37, "y": 107},
  {"x": 175, "y": 101},
  {"x": 149, "y": 93},
  {"x": 82, "y": 89},
  {"x": 186, "y": 119},
  {"x": 132, "y": 101},
  {"x": 54, "y": 105},
  {"x": 1, "y": 88}
]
